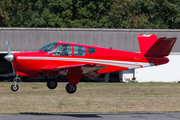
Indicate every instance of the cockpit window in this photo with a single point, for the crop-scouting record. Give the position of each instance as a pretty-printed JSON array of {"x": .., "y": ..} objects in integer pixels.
[
  {"x": 49, "y": 47},
  {"x": 63, "y": 50}
]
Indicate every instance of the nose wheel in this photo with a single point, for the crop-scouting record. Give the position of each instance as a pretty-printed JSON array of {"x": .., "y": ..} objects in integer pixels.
[
  {"x": 15, "y": 86},
  {"x": 71, "y": 88}
]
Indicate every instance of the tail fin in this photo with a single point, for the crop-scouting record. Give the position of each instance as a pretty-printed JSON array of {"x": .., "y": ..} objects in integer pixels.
[{"x": 151, "y": 46}]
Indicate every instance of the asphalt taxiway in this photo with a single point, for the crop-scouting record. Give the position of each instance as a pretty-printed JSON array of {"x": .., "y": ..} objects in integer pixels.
[{"x": 93, "y": 116}]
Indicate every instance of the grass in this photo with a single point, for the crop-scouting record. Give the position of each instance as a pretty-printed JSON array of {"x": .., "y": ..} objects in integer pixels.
[{"x": 90, "y": 98}]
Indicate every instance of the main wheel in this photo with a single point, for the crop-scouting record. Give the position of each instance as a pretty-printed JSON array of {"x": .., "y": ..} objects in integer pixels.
[
  {"x": 51, "y": 84},
  {"x": 71, "y": 88},
  {"x": 14, "y": 87}
]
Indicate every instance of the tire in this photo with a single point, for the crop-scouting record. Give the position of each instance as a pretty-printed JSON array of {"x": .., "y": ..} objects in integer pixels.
[
  {"x": 71, "y": 88},
  {"x": 51, "y": 84},
  {"x": 14, "y": 87}
]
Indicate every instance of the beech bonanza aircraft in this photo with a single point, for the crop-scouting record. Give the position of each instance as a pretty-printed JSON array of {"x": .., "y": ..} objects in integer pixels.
[{"x": 76, "y": 60}]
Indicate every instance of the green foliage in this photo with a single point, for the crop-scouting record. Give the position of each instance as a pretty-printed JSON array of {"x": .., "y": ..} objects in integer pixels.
[
  {"x": 162, "y": 14},
  {"x": 4, "y": 13}
]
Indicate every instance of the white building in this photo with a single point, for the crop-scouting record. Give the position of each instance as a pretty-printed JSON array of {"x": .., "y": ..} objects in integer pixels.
[{"x": 169, "y": 72}]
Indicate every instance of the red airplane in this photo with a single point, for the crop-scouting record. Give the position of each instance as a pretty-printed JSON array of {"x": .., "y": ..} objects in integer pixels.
[{"x": 76, "y": 60}]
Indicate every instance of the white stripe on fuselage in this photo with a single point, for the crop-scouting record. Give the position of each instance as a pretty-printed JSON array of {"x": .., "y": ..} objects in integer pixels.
[{"x": 129, "y": 65}]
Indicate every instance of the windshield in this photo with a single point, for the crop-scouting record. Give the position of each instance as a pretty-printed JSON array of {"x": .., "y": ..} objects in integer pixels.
[{"x": 49, "y": 47}]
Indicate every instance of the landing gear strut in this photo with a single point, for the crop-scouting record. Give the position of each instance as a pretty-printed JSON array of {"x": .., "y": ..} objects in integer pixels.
[
  {"x": 71, "y": 88},
  {"x": 14, "y": 86}
]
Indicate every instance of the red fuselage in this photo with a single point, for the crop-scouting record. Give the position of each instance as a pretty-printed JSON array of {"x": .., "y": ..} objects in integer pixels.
[{"x": 31, "y": 63}]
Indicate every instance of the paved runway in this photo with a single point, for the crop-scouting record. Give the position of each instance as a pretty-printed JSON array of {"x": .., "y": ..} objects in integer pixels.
[{"x": 101, "y": 116}]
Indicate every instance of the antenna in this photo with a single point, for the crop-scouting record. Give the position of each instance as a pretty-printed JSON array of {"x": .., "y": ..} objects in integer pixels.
[{"x": 98, "y": 41}]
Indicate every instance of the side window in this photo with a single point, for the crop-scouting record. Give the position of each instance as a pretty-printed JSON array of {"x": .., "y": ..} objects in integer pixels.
[
  {"x": 63, "y": 50},
  {"x": 79, "y": 51},
  {"x": 91, "y": 50}
]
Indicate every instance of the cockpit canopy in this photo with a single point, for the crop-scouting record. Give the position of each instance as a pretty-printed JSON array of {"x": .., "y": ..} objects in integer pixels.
[
  {"x": 49, "y": 47},
  {"x": 66, "y": 49}
]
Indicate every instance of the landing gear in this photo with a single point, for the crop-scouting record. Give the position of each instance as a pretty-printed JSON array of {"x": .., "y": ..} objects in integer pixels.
[
  {"x": 71, "y": 88},
  {"x": 14, "y": 86},
  {"x": 74, "y": 75},
  {"x": 51, "y": 83}
]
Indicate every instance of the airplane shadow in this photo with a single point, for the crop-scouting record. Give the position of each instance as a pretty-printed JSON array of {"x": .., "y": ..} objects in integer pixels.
[{"x": 70, "y": 115}]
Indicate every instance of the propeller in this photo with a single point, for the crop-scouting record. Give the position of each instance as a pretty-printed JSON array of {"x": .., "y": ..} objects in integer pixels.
[
  {"x": 9, "y": 57},
  {"x": 7, "y": 47}
]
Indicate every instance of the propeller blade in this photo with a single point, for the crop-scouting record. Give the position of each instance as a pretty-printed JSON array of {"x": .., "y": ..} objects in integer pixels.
[
  {"x": 9, "y": 57},
  {"x": 14, "y": 72},
  {"x": 7, "y": 47}
]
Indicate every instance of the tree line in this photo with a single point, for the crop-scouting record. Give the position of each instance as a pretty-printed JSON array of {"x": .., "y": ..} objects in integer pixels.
[{"x": 147, "y": 14}]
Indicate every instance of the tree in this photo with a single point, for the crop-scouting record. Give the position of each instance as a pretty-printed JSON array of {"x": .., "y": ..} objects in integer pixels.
[
  {"x": 162, "y": 14},
  {"x": 5, "y": 6}
]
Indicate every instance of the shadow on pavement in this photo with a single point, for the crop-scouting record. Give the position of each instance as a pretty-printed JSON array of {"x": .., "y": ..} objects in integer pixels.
[{"x": 70, "y": 115}]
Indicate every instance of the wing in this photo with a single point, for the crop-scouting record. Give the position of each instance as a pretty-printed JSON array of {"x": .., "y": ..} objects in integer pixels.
[{"x": 89, "y": 70}]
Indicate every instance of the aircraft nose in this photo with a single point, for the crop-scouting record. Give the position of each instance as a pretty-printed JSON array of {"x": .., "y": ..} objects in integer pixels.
[{"x": 9, "y": 57}]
